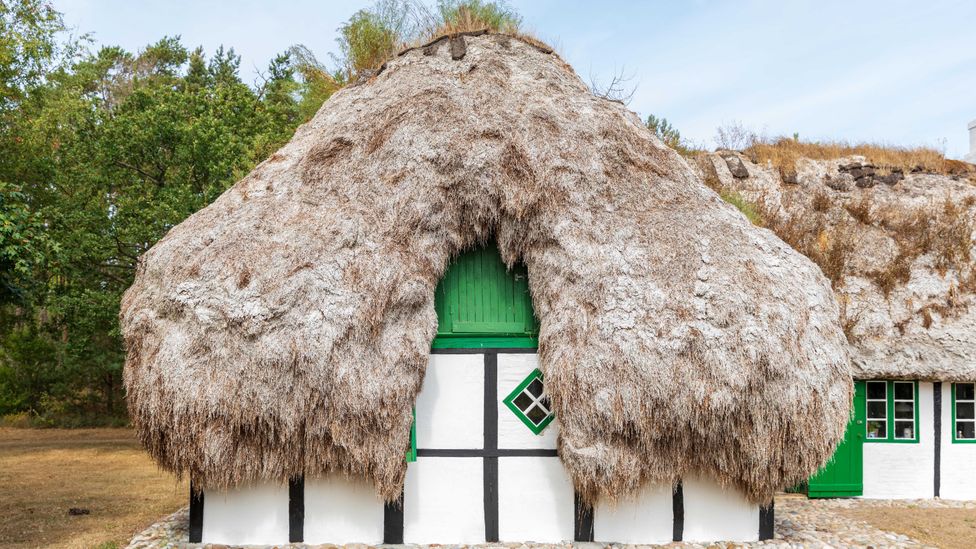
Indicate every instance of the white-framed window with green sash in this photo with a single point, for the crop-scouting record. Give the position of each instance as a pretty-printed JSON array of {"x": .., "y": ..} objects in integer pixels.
[
  {"x": 964, "y": 412},
  {"x": 891, "y": 413}
]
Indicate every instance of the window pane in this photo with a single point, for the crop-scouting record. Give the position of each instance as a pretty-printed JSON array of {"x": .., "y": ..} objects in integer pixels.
[
  {"x": 876, "y": 390},
  {"x": 546, "y": 404},
  {"x": 964, "y": 410},
  {"x": 904, "y": 429},
  {"x": 904, "y": 410},
  {"x": 966, "y": 429},
  {"x": 904, "y": 391},
  {"x": 877, "y": 410},
  {"x": 964, "y": 391},
  {"x": 536, "y": 415},
  {"x": 876, "y": 429},
  {"x": 535, "y": 387},
  {"x": 523, "y": 401}
]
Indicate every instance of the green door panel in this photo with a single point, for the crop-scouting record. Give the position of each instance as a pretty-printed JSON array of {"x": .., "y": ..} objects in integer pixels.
[
  {"x": 843, "y": 475},
  {"x": 481, "y": 303}
]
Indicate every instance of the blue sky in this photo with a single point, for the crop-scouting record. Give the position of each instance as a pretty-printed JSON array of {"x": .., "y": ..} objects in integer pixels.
[{"x": 885, "y": 71}]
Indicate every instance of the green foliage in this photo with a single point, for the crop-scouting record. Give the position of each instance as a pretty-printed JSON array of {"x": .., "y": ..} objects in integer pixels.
[
  {"x": 28, "y": 47},
  {"x": 24, "y": 246},
  {"x": 101, "y": 157},
  {"x": 373, "y": 35},
  {"x": 664, "y": 130},
  {"x": 474, "y": 14},
  {"x": 750, "y": 210}
]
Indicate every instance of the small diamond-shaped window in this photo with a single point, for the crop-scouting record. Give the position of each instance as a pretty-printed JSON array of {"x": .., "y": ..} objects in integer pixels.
[{"x": 529, "y": 402}]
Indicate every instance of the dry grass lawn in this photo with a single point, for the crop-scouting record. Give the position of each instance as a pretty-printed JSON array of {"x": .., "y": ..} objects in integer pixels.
[
  {"x": 43, "y": 473},
  {"x": 945, "y": 528}
]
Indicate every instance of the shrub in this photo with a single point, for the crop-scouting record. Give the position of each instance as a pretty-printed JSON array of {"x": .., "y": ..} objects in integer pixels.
[
  {"x": 821, "y": 201},
  {"x": 861, "y": 210},
  {"x": 750, "y": 210},
  {"x": 472, "y": 15}
]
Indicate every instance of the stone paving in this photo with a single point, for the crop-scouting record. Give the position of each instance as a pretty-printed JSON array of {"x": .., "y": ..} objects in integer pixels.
[{"x": 800, "y": 523}]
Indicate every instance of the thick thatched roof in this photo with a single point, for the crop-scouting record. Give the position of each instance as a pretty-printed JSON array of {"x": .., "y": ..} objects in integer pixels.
[
  {"x": 285, "y": 328},
  {"x": 903, "y": 246}
]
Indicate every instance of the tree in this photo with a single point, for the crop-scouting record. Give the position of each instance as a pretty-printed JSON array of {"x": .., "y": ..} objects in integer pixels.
[
  {"x": 108, "y": 153},
  {"x": 664, "y": 130}
]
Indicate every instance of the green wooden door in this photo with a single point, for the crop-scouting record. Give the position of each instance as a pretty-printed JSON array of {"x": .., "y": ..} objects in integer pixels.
[
  {"x": 843, "y": 474},
  {"x": 480, "y": 303}
]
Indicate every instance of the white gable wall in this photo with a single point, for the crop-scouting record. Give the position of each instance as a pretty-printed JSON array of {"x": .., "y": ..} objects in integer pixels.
[
  {"x": 903, "y": 470},
  {"x": 444, "y": 495}
]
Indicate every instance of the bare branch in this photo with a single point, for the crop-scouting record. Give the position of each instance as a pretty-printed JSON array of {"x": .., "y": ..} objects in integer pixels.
[{"x": 618, "y": 89}]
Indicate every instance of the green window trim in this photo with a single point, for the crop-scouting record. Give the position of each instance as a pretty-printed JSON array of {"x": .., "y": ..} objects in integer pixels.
[
  {"x": 484, "y": 342},
  {"x": 412, "y": 451},
  {"x": 540, "y": 402},
  {"x": 955, "y": 431},
  {"x": 889, "y": 419}
]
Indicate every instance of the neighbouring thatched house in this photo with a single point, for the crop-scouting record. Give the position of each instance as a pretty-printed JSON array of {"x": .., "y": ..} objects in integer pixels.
[
  {"x": 342, "y": 347},
  {"x": 899, "y": 244}
]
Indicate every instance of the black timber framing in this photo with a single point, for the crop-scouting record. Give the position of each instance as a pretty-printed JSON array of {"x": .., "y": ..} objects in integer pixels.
[
  {"x": 583, "y": 520},
  {"x": 393, "y": 522},
  {"x": 766, "y": 515},
  {"x": 491, "y": 443},
  {"x": 296, "y": 509},
  {"x": 196, "y": 514},
  {"x": 678, "y": 512}
]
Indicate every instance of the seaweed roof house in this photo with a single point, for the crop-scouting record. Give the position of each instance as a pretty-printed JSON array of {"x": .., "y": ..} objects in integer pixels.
[
  {"x": 362, "y": 299},
  {"x": 912, "y": 433}
]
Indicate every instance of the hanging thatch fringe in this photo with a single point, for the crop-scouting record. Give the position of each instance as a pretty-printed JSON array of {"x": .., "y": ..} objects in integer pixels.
[{"x": 285, "y": 328}]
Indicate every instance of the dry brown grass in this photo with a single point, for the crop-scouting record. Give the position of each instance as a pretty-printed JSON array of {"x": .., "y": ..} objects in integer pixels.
[
  {"x": 946, "y": 528},
  {"x": 829, "y": 246},
  {"x": 821, "y": 201},
  {"x": 862, "y": 209},
  {"x": 783, "y": 153},
  {"x": 45, "y": 472},
  {"x": 944, "y": 229},
  {"x": 897, "y": 272}
]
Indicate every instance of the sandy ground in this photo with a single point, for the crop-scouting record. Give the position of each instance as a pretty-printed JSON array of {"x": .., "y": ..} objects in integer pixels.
[
  {"x": 945, "y": 528},
  {"x": 46, "y": 472}
]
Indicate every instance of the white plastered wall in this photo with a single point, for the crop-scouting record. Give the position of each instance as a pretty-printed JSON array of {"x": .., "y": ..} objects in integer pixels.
[
  {"x": 444, "y": 496},
  {"x": 900, "y": 470},
  {"x": 252, "y": 514},
  {"x": 958, "y": 467},
  {"x": 443, "y": 501},
  {"x": 535, "y": 500},
  {"x": 341, "y": 510},
  {"x": 450, "y": 408},
  {"x": 646, "y": 518},
  {"x": 713, "y": 513}
]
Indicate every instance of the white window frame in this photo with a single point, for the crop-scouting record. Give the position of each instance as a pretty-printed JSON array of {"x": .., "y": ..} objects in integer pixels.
[
  {"x": 867, "y": 411},
  {"x": 894, "y": 417},
  {"x": 956, "y": 435}
]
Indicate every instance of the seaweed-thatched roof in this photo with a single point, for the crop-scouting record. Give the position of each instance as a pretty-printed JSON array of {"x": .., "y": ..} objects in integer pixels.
[
  {"x": 902, "y": 245},
  {"x": 285, "y": 329}
]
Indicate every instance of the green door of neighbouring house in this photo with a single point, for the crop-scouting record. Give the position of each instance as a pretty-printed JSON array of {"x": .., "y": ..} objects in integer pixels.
[
  {"x": 843, "y": 474},
  {"x": 481, "y": 303}
]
